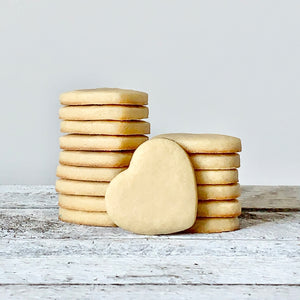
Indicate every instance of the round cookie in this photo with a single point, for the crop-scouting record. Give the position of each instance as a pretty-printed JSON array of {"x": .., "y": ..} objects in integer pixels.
[
  {"x": 218, "y": 192},
  {"x": 205, "y": 143},
  {"x": 86, "y": 173},
  {"x": 106, "y": 127},
  {"x": 106, "y": 159},
  {"x": 104, "y": 96},
  {"x": 216, "y": 176},
  {"x": 103, "y": 112},
  {"x": 219, "y": 209},
  {"x": 214, "y": 225},
  {"x": 101, "y": 142},
  {"x": 84, "y": 203},
  {"x": 85, "y": 217},
  {"x": 215, "y": 161},
  {"x": 84, "y": 188}
]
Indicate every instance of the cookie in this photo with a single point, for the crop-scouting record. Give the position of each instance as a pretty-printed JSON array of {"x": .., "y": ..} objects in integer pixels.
[
  {"x": 103, "y": 112},
  {"x": 216, "y": 176},
  {"x": 218, "y": 192},
  {"x": 106, "y": 127},
  {"x": 84, "y": 188},
  {"x": 87, "y": 173},
  {"x": 108, "y": 159},
  {"x": 205, "y": 143},
  {"x": 104, "y": 96},
  {"x": 85, "y": 217},
  {"x": 101, "y": 142},
  {"x": 214, "y": 225},
  {"x": 84, "y": 203},
  {"x": 215, "y": 161},
  {"x": 157, "y": 194},
  {"x": 219, "y": 209}
]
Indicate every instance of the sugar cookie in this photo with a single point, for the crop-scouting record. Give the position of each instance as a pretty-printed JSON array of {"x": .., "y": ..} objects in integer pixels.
[
  {"x": 87, "y": 173},
  {"x": 105, "y": 159},
  {"x": 218, "y": 192},
  {"x": 215, "y": 161},
  {"x": 106, "y": 127},
  {"x": 84, "y": 188},
  {"x": 205, "y": 143},
  {"x": 104, "y": 96},
  {"x": 101, "y": 142},
  {"x": 157, "y": 194},
  {"x": 103, "y": 112},
  {"x": 216, "y": 176},
  {"x": 219, "y": 209},
  {"x": 85, "y": 217},
  {"x": 211, "y": 225},
  {"x": 84, "y": 203}
]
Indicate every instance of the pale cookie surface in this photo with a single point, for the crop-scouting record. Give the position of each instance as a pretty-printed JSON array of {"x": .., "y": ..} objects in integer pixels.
[
  {"x": 104, "y": 96},
  {"x": 157, "y": 194},
  {"x": 85, "y": 217},
  {"x": 205, "y": 143},
  {"x": 216, "y": 176},
  {"x": 106, "y": 127},
  {"x": 101, "y": 142},
  {"x": 218, "y": 192},
  {"x": 219, "y": 209},
  {"x": 215, "y": 161},
  {"x": 214, "y": 225},
  {"x": 86, "y": 173},
  {"x": 103, "y": 112},
  {"x": 113, "y": 159},
  {"x": 84, "y": 203},
  {"x": 84, "y": 188}
]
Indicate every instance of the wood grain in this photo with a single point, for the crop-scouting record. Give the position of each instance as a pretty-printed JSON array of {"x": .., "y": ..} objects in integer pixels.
[
  {"x": 154, "y": 248},
  {"x": 132, "y": 269},
  {"x": 44, "y": 224},
  {"x": 270, "y": 197},
  {"x": 149, "y": 292}
]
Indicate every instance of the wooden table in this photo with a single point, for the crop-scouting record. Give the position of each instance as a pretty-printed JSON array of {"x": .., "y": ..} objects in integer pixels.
[{"x": 41, "y": 257}]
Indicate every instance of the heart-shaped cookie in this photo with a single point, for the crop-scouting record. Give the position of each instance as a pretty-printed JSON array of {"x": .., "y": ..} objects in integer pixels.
[{"x": 157, "y": 194}]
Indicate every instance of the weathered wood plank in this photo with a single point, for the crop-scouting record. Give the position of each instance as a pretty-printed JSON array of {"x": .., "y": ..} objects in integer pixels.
[
  {"x": 28, "y": 196},
  {"x": 150, "y": 270},
  {"x": 277, "y": 197},
  {"x": 155, "y": 248},
  {"x": 43, "y": 224},
  {"x": 149, "y": 292},
  {"x": 270, "y": 197}
]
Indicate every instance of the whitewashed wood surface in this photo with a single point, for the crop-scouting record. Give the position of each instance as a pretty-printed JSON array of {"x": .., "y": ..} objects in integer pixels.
[{"x": 41, "y": 257}]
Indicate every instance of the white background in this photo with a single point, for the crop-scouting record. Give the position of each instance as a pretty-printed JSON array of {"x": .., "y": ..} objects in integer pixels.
[{"x": 229, "y": 67}]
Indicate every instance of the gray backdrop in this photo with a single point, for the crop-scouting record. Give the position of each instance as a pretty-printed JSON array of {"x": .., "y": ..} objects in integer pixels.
[{"x": 227, "y": 67}]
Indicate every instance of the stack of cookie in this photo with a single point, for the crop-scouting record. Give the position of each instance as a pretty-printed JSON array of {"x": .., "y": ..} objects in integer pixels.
[
  {"x": 215, "y": 162},
  {"x": 104, "y": 127}
]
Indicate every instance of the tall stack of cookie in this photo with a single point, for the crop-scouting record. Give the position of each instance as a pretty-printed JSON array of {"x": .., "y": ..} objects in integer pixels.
[
  {"x": 215, "y": 160},
  {"x": 104, "y": 128}
]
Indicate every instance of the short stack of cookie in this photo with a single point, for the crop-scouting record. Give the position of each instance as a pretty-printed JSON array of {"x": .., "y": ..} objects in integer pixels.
[
  {"x": 215, "y": 160},
  {"x": 104, "y": 126}
]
